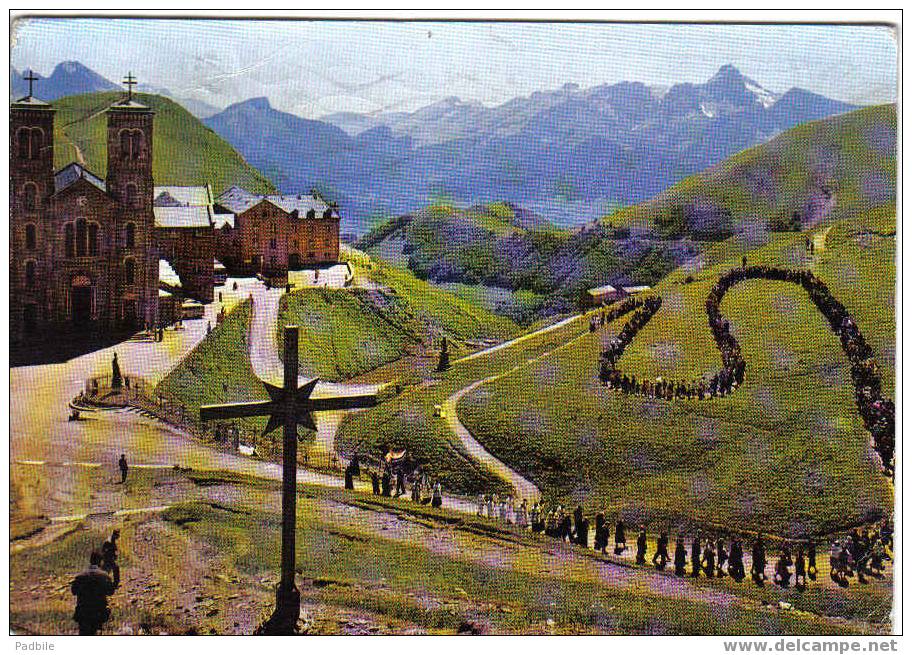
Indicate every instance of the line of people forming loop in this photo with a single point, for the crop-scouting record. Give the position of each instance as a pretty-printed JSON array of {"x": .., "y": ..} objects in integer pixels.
[{"x": 877, "y": 412}]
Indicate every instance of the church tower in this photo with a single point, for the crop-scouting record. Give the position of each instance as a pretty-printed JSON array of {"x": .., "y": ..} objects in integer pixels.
[
  {"x": 31, "y": 187},
  {"x": 129, "y": 182}
]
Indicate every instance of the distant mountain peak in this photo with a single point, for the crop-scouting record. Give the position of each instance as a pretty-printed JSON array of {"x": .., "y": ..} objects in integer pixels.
[
  {"x": 259, "y": 103},
  {"x": 727, "y": 73}
]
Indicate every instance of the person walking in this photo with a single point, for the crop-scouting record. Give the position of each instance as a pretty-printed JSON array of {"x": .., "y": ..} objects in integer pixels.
[
  {"x": 680, "y": 560},
  {"x": 92, "y": 588},
  {"x": 661, "y": 555},
  {"x": 109, "y": 557},
  {"x": 641, "y": 546},
  {"x": 437, "y": 496},
  {"x": 124, "y": 469}
]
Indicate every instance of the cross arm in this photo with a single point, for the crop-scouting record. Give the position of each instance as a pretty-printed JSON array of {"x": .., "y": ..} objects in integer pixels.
[
  {"x": 236, "y": 410},
  {"x": 342, "y": 402}
]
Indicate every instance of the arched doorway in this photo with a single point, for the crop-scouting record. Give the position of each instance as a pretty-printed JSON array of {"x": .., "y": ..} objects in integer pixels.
[{"x": 82, "y": 299}]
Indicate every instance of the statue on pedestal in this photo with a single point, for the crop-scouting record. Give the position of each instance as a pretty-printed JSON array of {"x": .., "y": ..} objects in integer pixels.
[{"x": 116, "y": 378}]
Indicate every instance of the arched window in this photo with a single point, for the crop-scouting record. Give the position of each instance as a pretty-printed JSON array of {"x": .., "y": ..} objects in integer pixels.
[
  {"x": 130, "y": 236},
  {"x": 131, "y": 196},
  {"x": 131, "y": 144},
  {"x": 69, "y": 240},
  {"x": 36, "y": 142},
  {"x": 129, "y": 270},
  {"x": 137, "y": 144},
  {"x": 30, "y": 267},
  {"x": 126, "y": 144},
  {"x": 30, "y": 197},
  {"x": 30, "y": 141},
  {"x": 22, "y": 139},
  {"x": 31, "y": 236},
  {"x": 93, "y": 239},
  {"x": 81, "y": 233}
]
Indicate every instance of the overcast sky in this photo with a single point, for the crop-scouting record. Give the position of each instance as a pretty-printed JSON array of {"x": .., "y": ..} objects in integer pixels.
[{"x": 314, "y": 68}]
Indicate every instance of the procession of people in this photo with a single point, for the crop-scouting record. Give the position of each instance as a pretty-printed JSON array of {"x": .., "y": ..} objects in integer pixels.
[{"x": 877, "y": 412}]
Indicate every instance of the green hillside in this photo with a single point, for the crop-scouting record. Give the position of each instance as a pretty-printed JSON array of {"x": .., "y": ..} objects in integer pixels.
[
  {"x": 352, "y": 331},
  {"x": 786, "y": 453},
  {"x": 185, "y": 151},
  {"x": 515, "y": 262},
  {"x": 823, "y": 170}
]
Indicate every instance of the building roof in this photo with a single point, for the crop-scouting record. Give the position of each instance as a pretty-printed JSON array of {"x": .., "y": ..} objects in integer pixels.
[
  {"x": 300, "y": 203},
  {"x": 636, "y": 289},
  {"x": 238, "y": 200},
  {"x": 221, "y": 220},
  {"x": 182, "y": 217},
  {"x": 31, "y": 102},
  {"x": 129, "y": 105},
  {"x": 187, "y": 196},
  {"x": 598, "y": 291},
  {"x": 167, "y": 275},
  {"x": 73, "y": 172}
]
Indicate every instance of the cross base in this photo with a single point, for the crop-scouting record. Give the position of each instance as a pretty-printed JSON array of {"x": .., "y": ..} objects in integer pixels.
[{"x": 284, "y": 620}]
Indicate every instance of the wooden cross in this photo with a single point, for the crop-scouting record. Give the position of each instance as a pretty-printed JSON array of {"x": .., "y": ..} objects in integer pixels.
[
  {"x": 130, "y": 81},
  {"x": 287, "y": 406},
  {"x": 31, "y": 77}
]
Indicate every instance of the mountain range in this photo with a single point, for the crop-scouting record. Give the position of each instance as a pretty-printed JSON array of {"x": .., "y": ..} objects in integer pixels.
[
  {"x": 73, "y": 78},
  {"x": 570, "y": 154}
]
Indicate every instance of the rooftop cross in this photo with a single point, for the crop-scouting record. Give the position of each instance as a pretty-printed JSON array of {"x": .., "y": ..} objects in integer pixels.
[
  {"x": 130, "y": 81},
  {"x": 31, "y": 77},
  {"x": 288, "y": 406}
]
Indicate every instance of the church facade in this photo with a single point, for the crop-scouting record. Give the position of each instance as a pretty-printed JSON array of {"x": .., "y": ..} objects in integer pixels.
[{"x": 82, "y": 250}]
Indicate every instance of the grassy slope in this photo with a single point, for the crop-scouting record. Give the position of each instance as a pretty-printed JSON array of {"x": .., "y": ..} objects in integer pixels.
[
  {"x": 854, "y": 154},
  {"x": 348, "y": 332},
  {"x": 347, "y": 563},
  {"x": 218, "y": 370},
  {"x": 185, "y": 151},
  {"x": 787, "y": 452}
]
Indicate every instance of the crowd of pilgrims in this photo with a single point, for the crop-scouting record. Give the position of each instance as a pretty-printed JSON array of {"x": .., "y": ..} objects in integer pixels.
[
  {"x": 877, "y": 412},
  {"x": 863, "y": 552}
]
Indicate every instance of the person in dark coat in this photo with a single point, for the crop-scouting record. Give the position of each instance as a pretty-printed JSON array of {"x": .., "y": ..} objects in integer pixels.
[
  {"x": 400, "y": 482},
  {"x": 349, "y": 476},
  {"x": 641, "y": 546},
  {"x": 124, "y": 469},
  {"x": 721, "y": 557},
  {"x": 696, "y": 552},
  {"x": 758, "y": 564},
  {"x": 620, "y": 539},
  {"x": 783, "y": 575},
  {"x": 601, "y": 533},
  {"x": 582, "y": 533},
  {"x": 709, "y": 559},
  {"x": 109, "y": 557},
  {"x": 92, "y": 588},
  {"x": 680, "y": 556},
  {"x": 661, "y": 555},
  {"x": 375, "y": 483},
  {"x": 800, "y": 569},
  {"x": 736, "y": 560},
  {"x": 566, "y": 529},
  {"x": 386, "y": 482},
  {"x": 577, "y": 519},
  {"x": 812, "y": 559}
]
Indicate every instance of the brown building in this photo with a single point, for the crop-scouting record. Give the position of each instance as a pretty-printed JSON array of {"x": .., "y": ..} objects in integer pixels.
[
  {"x": 82, "y": 250},
  {"x": 185, "y": 236},
  {"x": 274, "y": 234}
]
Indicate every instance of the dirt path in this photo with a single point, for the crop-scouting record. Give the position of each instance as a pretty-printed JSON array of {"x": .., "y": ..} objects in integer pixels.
[
  {"x": 268, "y": 366},
  {"x": 524, "y": 487}
]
